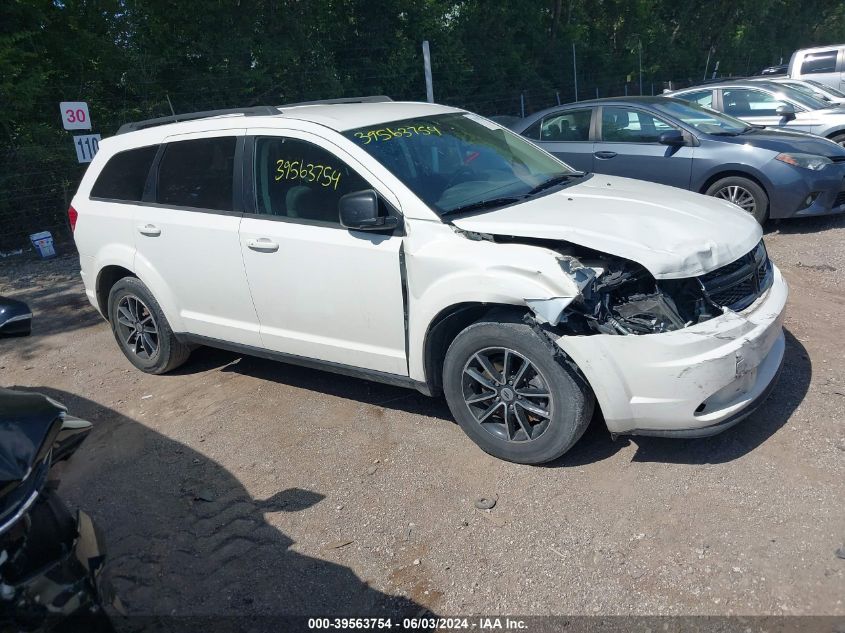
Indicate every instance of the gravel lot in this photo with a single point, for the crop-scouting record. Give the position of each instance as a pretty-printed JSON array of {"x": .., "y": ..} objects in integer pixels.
[{"x": 243, "y": 486}]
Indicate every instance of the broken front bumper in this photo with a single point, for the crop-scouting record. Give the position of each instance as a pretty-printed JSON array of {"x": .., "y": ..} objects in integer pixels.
[{"x": 691, "y": 382}]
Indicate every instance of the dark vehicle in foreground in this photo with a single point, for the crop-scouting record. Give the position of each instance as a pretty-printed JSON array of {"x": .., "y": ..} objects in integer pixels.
[
  {"x": 50, "y": 560},
  {"x": 768, "y": 173},
  {"x": 15, "y": 317}
]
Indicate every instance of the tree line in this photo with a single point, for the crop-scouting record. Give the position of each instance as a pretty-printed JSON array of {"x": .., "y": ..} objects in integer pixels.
[{"x": 135, "y": 59}]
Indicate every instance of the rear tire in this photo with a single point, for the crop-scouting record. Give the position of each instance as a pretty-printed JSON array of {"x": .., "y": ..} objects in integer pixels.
[
  {"x": 744, "y": 193},
  {"x": 493, "y": 376},
  {"x": 141, "y": 329}
]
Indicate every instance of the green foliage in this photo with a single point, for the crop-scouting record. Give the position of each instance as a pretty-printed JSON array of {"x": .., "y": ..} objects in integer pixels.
[{"x": 129, "y": 59}]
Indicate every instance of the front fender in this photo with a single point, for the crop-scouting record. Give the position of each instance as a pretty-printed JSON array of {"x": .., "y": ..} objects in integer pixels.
[
  {"x": 456, "y": 270},
  {"x": 703, "y": 180}
]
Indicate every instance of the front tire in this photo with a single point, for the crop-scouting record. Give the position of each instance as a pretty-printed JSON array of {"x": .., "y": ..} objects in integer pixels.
[
  {"x": 839, "y": 138},
  {"x": 141, "y": 329},
  {"x": 744, "y": 193},
  {"x": 512, "y": 395}
]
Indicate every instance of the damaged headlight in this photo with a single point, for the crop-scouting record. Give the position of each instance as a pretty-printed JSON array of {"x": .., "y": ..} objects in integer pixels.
[{"x": 624, "y": 298}]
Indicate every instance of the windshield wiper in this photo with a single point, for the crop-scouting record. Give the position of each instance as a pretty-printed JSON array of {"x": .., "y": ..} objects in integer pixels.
[
  {"x": 483, "y": 204},
  {"x": 555, "y": 180}
]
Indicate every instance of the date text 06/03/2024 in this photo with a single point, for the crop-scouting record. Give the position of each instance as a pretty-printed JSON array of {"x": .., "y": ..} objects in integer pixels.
[{"x": 424, "y": 623}]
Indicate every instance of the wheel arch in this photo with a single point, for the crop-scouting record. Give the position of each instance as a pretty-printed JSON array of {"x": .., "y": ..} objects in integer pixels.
[
  {"x": 447, "y": 324},
  {"x": 106, "y": 279},
  {"x": 835, "y": 132},
  {"x": 737, "y": 173}
]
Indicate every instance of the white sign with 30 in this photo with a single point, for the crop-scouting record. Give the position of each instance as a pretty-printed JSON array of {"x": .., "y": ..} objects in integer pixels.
[{"x": 75, "y": 115}]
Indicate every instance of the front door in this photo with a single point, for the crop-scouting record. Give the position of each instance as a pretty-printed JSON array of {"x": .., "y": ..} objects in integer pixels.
[
  {"x": 321, "y": 291},
  {"x": 629, "y": 146}
]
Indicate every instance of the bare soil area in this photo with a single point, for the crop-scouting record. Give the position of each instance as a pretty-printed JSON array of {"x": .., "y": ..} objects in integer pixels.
[{"x": 242, "y": 486}]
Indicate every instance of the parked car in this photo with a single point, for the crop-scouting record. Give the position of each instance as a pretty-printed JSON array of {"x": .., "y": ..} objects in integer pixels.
[
  {"x": 770, "y": 104},
  {"x": 825, "y": 64},
  {"x": 424, "y": 246},
  {"x": 778, "y": 69},
  {"x": 813, "y": 88},
  {"x": 768, "y": 173}
]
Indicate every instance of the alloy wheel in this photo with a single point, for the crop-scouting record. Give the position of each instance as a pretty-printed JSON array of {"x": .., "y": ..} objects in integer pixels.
[
  {"x": 507, "y": 394},
  {"x": 137, "y": 327},
  {"x": 740, "y": 196}
]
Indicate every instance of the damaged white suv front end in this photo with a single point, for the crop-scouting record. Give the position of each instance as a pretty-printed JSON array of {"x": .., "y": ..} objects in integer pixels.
[{"x": 679, "y": 331}]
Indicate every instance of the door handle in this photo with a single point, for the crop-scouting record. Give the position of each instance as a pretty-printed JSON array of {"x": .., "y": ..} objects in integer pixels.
[
  {"x": 150, "y": 230},
  {"x": 604, "y": 154},
  {"x": 263, "y": 245}
]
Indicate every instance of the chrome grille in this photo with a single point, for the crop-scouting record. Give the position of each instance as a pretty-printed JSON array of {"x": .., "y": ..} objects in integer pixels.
[{"x": 737, "y": 285}]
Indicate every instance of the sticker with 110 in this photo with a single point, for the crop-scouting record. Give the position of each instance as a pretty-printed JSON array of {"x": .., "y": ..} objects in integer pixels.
[{"x": 324, "y": 175}]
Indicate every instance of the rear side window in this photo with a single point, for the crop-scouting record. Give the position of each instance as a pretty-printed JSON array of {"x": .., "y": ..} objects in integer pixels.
[
  {"x": 125, "y": 174},
  {"x": 703, "y": 98},
  {"x": 821, "y": 62},
  {"x": 198, "y": 173},
  {"x": 533, "y": 130},
  {"x": 573, "y": 125}
]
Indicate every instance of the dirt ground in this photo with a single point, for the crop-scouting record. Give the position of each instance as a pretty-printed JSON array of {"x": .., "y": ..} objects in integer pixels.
[{"x": 242, "y": 486}]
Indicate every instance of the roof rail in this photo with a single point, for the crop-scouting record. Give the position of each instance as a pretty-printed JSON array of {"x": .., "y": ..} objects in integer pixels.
[
  {"x": 368, "y": 99},
  {"x": 191, "y": 116}
]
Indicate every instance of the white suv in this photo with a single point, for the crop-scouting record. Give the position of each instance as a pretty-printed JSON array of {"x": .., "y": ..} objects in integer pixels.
[{"x": 425, "y": 246}]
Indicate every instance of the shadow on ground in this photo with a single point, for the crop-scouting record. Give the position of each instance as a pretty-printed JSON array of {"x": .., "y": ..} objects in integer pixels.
[
  {"x": 185, "y": 538},
  {"x": 595, "y": 446},
  {"x": 365, "y": 391},
  {"x": 794, "y": 226}
]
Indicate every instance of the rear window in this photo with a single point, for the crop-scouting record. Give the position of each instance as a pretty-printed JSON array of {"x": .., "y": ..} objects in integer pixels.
[
  {"x": 198, "y": 173},
  {"x": 125, "y": 174},
  {"x": 821, "y": 62}
]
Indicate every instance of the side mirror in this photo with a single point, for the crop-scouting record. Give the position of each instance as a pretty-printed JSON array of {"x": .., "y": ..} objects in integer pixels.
[
  {"x": 15, "y": 318},
  {"x": 786, "y": 110},
  {"x": 359, "y": 211},
  {"x": 672, "y": 137}
]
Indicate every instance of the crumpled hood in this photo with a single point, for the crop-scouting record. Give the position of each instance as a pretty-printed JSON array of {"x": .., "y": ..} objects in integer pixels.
[{"x": 671, "y": 232}]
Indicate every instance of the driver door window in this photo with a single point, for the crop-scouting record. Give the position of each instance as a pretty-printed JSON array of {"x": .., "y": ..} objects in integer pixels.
[
  {"x": 625, "y": 125},
  {"x": 297, "y": 180},
  {"x": 743, "y": 103}
]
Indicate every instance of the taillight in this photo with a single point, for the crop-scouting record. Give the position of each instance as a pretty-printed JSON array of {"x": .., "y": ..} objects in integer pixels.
[{"x": 72, "y": 216}]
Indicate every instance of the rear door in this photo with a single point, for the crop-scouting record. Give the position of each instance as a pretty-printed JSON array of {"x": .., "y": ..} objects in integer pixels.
[
  {"x": 187, "y": 236},
  {"x": 566, "y": 134},
  {"x": 628, "y": 146}
]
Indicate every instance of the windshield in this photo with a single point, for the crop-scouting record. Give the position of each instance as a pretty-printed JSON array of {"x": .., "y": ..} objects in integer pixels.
[
  {"x": 808, "y": 101},
  {"x": 826, "y": 89},
  {"x": 460, "y": 160},
  {"x": 703, "y": 119}
]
